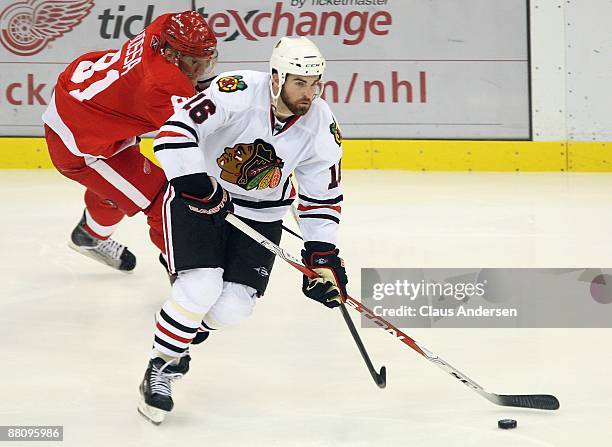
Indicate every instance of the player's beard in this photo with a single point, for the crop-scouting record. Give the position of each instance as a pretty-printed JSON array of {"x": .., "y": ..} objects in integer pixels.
[{"x": 299, "y": 107}]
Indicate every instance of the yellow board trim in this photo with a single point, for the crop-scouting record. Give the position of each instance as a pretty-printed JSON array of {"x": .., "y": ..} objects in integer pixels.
[
  {"x": 590, "y": 157},
  {"x": 410, "y": 155},
  {"x": 426, "y": 155},
  {"x": 24, "y": 153}
]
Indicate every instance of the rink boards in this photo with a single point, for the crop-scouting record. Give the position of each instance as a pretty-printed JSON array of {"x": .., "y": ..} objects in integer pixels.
[{"x": 410, "y": 155}]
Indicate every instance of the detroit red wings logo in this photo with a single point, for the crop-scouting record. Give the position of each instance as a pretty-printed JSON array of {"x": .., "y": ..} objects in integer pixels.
[{"x": 27, "y": 26}]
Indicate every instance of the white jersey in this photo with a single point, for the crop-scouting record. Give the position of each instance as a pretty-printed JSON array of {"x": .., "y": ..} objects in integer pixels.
[{"x": 230, "y": 133}]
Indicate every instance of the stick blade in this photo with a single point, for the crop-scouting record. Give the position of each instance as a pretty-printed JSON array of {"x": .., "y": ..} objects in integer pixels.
[
  {"x": 538, "y": 401},
  {"x": 381, "y": 380}
]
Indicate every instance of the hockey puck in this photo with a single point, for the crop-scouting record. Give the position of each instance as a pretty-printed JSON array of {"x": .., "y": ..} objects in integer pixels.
[{"x": 506, "y": 423}]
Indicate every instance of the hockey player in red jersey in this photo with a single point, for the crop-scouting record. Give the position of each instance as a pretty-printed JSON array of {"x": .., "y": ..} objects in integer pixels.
[{"x": 101, "y": 103}]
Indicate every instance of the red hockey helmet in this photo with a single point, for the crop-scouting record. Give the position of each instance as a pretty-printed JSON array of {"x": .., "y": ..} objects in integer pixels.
[{"x": 188, "y": 33}]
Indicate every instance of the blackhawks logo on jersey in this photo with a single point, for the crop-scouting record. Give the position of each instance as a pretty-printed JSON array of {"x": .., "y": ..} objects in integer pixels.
[
  {"x": 335, "y": 131},
  {"x": 229, "y": 84},
  {"x": 251, "y": 165}
]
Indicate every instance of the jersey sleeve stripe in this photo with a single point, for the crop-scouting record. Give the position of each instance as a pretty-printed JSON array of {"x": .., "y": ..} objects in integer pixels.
[
  {"x": 169, "y": 134},
  {"x": 301, "y": 207},
  {"x": 333, "y": 201},
  {"x": 192, "y": 161},
  {"x": 161, "y": 147},
  {"x": 184, "y": 126},
  {"x": 319, "y": 216},
  {"x": 166, "y": 139}
]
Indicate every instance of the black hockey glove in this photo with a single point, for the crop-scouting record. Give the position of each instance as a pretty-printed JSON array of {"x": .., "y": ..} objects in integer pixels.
[
  {"x": 323, "y": 259},
  {"x": 204, "y": 196}
]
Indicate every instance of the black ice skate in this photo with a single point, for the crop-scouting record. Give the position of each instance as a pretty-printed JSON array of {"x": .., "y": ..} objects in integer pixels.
[
  {"x": 156, "y": 387},
  {"x": 108, "y": 251}
]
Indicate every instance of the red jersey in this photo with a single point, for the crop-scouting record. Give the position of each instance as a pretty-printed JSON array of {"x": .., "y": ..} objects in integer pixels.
[{"x": 104, "y": 99}]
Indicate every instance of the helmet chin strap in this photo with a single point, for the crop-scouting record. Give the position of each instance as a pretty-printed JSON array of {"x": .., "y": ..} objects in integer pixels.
[
  {"x": 275, "y": 97},
  {"x": 277, "y": 113}
]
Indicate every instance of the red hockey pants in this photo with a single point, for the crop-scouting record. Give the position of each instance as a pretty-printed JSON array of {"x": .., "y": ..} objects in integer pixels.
[{"x": 117, "y": 186}]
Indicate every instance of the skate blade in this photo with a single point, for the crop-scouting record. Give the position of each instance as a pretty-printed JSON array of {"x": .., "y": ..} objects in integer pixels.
[
  {"x": 93, "y": 255},
  {"x": 152, "y": 414}
]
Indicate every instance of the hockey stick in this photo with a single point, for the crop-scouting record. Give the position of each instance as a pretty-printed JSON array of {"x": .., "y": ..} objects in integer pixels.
[
  {"x": 379, "y": 377},
  {"x": 538, "y": 401},
  {"x": 289, "y": 230}
]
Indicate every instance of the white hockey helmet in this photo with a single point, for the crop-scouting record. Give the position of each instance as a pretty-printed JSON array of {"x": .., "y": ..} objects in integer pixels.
[{"x": 294, "y": 55}]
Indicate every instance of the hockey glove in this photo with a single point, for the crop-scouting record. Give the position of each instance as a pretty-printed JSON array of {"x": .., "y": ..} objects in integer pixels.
[
  {"x": 330, "y": 288},
  {"x": 204, "y": 196}
]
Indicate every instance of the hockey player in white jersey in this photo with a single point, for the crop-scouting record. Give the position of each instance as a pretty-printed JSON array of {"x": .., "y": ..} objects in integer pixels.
[{"x": 233, "y": 148}]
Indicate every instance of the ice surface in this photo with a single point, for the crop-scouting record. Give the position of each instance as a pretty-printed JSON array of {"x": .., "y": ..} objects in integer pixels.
[{"x": 75, "y": 335}]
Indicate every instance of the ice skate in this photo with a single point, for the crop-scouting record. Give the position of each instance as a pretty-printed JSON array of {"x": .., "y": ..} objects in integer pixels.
[
  {"x": 109, "y": 251},
  {"x": 156, "y": 387}
]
